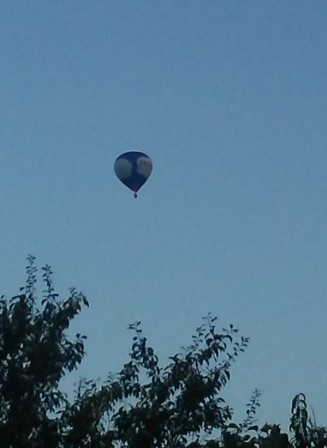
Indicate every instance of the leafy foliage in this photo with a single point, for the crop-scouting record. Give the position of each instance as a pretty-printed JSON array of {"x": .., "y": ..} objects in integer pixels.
[
  {"x": 34, "y": 355},
  {"x": 172, "y": 404},
  {"x": 145, "y": 405},
  {"x": 306, "y": 432}
]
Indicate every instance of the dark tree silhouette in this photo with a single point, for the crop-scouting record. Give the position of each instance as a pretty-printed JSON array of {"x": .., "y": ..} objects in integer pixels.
[{"x": 145, "y": 405}]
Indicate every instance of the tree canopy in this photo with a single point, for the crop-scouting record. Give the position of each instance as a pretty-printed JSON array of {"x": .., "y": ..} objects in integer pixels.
[{"x": 145, "y": 405}]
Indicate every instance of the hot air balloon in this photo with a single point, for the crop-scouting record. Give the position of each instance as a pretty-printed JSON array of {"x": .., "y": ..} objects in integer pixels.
[{"x": 133, "y": 169}]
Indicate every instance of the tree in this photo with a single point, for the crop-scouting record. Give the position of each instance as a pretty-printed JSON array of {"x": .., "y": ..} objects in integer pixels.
[
  {"x": 35, "y": 354},
  {"x": 306, "y": 432},
  {"x": 144, "y": 405}
]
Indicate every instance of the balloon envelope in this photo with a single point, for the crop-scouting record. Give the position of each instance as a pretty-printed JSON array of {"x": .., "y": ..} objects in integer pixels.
[{"x": 133, "y": 169}]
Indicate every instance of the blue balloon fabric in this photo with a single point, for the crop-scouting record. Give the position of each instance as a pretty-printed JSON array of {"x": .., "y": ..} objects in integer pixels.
[{"x": 133, "y": 169}]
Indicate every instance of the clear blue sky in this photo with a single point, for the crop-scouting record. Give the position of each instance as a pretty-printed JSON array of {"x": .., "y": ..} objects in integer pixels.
[{"x": 229, "y": 98}]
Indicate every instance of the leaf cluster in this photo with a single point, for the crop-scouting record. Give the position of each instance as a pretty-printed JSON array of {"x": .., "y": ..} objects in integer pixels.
[
  {"x": 151, "y": 406},
  {"x": 35, "y": 354},
  {"x": 144, "y": 405},
  {"x": 306, "y": 433}
]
